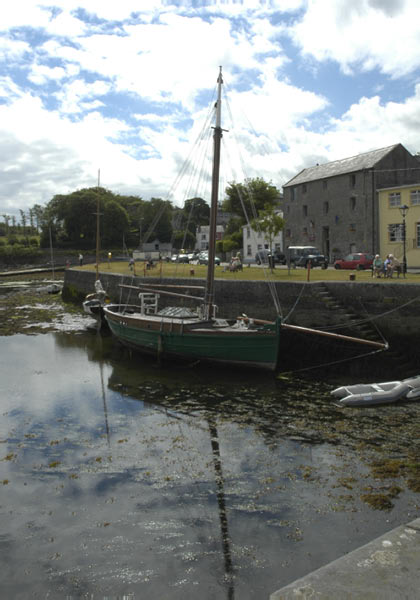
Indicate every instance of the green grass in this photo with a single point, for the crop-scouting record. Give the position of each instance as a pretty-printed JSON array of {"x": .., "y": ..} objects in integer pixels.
[{"x": 249, "y": 273}]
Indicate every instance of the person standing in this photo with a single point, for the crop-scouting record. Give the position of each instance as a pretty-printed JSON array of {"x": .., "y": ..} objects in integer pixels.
[{"x": 80, "y": 259}]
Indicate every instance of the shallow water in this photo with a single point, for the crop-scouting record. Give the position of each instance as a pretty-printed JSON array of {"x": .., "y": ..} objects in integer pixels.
[{"x": 120, "y": 479}]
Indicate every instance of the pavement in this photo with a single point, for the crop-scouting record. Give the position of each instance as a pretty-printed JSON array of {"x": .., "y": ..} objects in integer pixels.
[{"x": 388, "y": 568}]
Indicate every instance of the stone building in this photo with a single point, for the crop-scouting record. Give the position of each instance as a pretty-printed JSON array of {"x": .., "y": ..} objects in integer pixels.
[{"x": 335, "y": 206}]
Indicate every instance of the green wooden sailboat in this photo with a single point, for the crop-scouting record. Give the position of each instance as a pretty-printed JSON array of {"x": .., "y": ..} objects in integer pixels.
[
  {"x": 196, "y": 335},
  {"x": 199, "y": 335}
]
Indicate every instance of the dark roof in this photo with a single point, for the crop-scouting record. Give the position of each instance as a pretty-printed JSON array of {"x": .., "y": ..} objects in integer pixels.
[{"x": 339, "y": 167}]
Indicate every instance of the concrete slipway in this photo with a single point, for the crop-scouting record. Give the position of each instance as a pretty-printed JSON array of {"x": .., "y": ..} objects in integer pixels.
[{"x": 387, "y": 568}]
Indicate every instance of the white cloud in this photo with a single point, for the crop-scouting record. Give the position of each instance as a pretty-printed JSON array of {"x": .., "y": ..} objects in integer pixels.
[
  {"x": 72, "y": 97},
  {"x": 362, "y": 34},
  {"x": 128, "y": 78},
  {"x": 13, "y": 50},
  {"x": 371, "y": 124},
  {"x": 40, "y": 74}
]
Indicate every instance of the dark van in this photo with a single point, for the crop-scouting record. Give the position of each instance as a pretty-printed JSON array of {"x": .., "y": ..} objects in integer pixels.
[{"x": 299, "y": 256}]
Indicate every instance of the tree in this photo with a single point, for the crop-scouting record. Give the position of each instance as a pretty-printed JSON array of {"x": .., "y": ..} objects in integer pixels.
[
  {"x": 39, "y": 213},
  {"x": 186, "y": 220},
  {"x": 6, "y": 222},
  {"x": 196, "y": 211},
  {"x": 114, "y": 222},
  {"x": 270, "y": 223},
  {"x": 157, "y": 220},
  {"x": 73, "y": 217},
  {"x": 23, "y": 220},
  {"x": 253, "y": 194}
]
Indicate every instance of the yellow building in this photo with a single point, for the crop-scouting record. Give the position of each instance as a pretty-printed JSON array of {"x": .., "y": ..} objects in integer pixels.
[{"x": 398, "y": 206}]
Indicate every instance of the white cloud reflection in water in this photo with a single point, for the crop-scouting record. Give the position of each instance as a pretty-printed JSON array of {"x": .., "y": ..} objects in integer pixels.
[{"x": 106, "y": 491}]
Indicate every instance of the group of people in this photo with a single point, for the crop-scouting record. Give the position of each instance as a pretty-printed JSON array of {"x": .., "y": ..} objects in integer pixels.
[{"x": 387, "y": 268}]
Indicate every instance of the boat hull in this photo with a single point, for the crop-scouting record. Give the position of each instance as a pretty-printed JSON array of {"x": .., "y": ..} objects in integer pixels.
[{"x": 194, "y": 340}]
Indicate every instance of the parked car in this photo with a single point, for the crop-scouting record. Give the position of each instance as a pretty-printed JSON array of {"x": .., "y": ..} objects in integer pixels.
[
  {"x": 261, "y": 257},
  {"x": 203, "y": 259},
  {"x": 183, "y": 258},
  {"x": 358, "y": 260},
  {"x": 316, "y": 260},
  {"x": 299, "y": 256}
]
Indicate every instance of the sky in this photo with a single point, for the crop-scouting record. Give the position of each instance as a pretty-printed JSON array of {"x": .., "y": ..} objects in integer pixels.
[{"x": 116, "y": 92}]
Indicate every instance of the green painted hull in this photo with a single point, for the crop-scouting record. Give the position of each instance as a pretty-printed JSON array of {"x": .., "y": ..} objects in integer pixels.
[{"x": 248, "y": 347}]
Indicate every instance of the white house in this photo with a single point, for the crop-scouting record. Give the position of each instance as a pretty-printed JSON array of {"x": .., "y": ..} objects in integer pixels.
[
  {"x": 253, "y": 241},
  {"x": 202, "y": 236}
]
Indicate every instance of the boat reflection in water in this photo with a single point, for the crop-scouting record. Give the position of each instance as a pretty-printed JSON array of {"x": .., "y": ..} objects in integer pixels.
[{"x": 119, "y": 478}]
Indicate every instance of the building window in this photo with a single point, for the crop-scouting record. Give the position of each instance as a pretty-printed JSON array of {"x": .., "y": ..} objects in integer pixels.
[
  {"x": 352, "y": 180},
  {"x": 259, "y": 247},
  {"x": 248, "y": 232},
  {"x": 418, "y": 234},
  {"x": 287, "y": 209},
  {"x": 325, "y": 184},
  {"x": 326, "y": 208},
  {"x": 394, "y": 199},
  {"x": 395, "y": 232},
  {"x": 415, "y": 197},
  {"x": 305, "y": 210},
  {"x": 352, "y": 203},
  {"x": 249, "y": 250},
  {"x": 304, "y": 188},
  {"x": 203, "y": 237},
  {"x": 292, "y": 194}
]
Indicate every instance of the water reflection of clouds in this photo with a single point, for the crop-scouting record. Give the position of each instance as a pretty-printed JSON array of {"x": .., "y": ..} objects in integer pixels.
[{"x": 138, "y": 511}]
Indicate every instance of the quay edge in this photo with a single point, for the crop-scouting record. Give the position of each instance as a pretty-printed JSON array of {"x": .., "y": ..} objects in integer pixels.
[
  {"x": 384, "y": 569},
  {"x": 394, "y": 308}
]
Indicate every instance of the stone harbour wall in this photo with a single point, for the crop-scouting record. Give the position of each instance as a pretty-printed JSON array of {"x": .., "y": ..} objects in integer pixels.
[{"x": 393, "y": 307}]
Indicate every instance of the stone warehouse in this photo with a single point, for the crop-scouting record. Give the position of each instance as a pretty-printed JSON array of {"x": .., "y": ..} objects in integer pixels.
[{"x": 335, "y": 206}]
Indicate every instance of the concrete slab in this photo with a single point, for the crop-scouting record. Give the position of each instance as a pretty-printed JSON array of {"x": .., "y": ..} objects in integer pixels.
[
  {"x": 31, "y": 271},
  {"x": 387, "y": 568}
]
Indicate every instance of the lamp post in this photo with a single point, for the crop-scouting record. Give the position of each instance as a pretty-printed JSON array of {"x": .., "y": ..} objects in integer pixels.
[{"x": 403, "y": 210}]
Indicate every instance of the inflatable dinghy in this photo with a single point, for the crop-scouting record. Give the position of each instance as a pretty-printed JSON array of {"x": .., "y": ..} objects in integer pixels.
[{"x": 368, "y": 394}]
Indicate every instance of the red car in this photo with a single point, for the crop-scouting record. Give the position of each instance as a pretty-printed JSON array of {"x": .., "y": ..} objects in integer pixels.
[{"x": 358, "y": 260}]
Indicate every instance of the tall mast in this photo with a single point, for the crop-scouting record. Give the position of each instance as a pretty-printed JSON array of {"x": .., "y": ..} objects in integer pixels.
[
  {"x": 97, "y": 225},
  {"x": 217, "y": 138}
]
